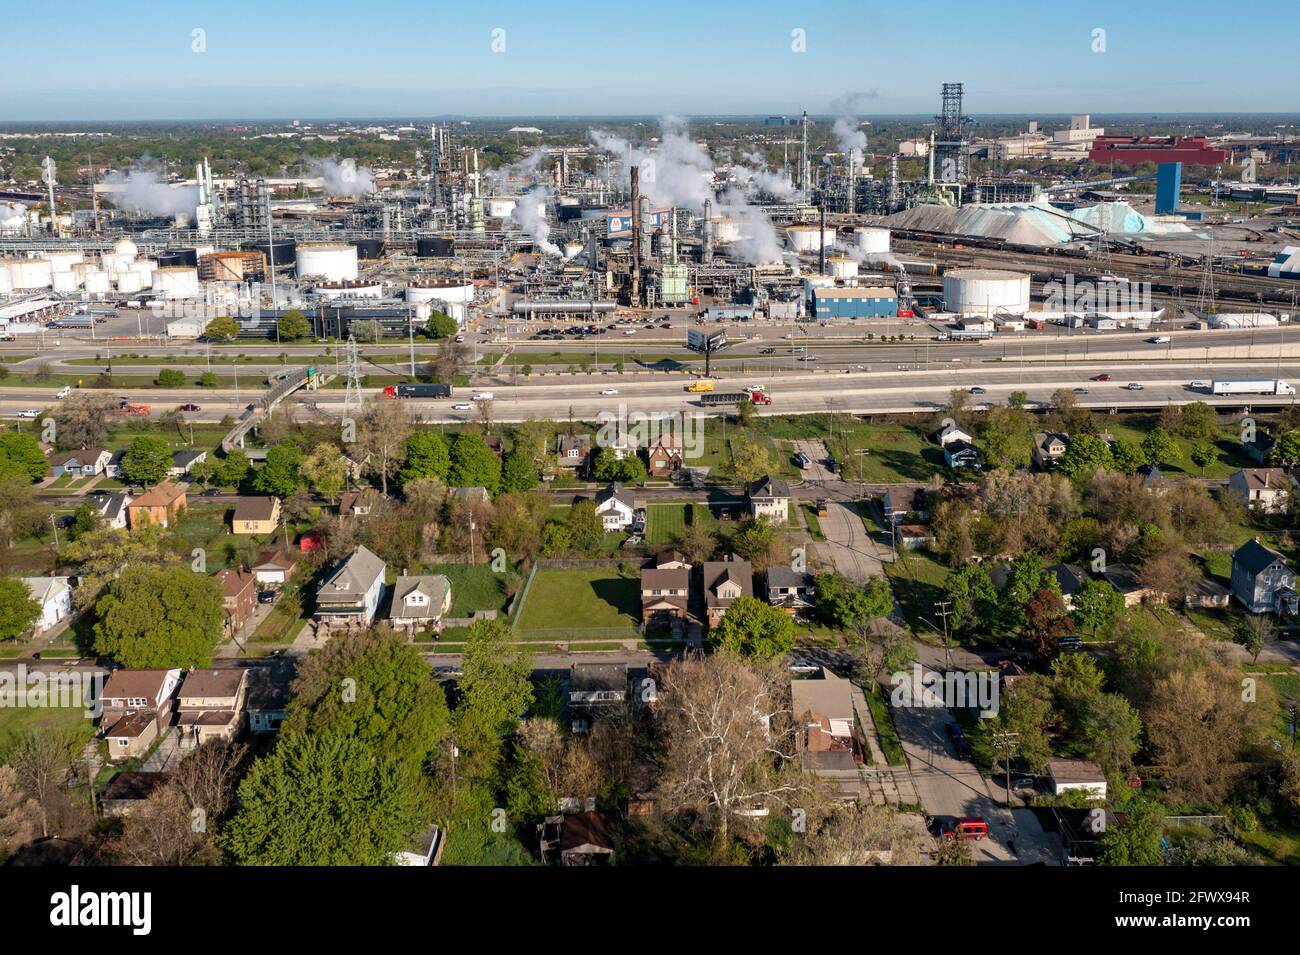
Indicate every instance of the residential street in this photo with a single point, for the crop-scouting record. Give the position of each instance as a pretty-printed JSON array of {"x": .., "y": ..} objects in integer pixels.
[{"x": 848, "y": 548}]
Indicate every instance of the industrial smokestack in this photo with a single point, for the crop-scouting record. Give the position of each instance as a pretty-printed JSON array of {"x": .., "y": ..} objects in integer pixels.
[
  {"x": 821, "y": 239},
  {"x": 803, "y": 156},
  {"x": 635, "y": 291},
  {"x": 708, "y": 231}
]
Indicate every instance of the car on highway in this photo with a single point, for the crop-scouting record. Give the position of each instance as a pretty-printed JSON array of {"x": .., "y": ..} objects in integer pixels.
[
  {"x": 1100, "y": 378},
  {"x": 630, "y": 331},
  {"x": 1159, "y": 340},
  {"x": 609, "y": 391},
  {"x": 189, "y": 407},
  {"x": 768, "y": 351},
  {"x": 482, "y": 396},
  {"x": 808, "y": 358},
  {"x": 463, "y": 406},
  {"x": 63, "y": 392},
  {"x": 977, "y": 390},
  {"x": 29, "y": 413},
  {"x": 1198, "y": 384},
  {"x": 1133, "y": 386},
  {"x": 1080, "y": 391}
]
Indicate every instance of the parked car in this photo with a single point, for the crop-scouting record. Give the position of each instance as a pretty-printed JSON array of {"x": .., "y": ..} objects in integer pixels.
[
  {"x": 266, "y": 597},
  {"x": 211, "y": 492},
  {"x": 63, "y": 392},
  {"x": 1071, "y": 643},
  {"x": 968, "y": 827},
  {"x": 802, "y": 460},
  {"x": 958, "y": 738}
]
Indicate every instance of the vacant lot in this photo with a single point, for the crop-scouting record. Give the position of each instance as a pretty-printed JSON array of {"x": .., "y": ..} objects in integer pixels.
[
  {"x": 665, "y": 523},
  {"x": 579, "y": 600},
  {"x": 474, "y": 587},
  {"x": 16, "y": 720}
]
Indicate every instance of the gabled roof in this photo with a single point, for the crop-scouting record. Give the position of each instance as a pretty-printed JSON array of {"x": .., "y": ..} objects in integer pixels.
[
  {"x": 678, "y": 578},
  {"x": 717, "y": 571},
  {"x": 112, "y": 506},
  {"x": 1264, "y": 479},
  {"x": 1068, "y": 577},
  {"x": 1254, "y": 557},
  {"x": 354, "y": 576},
  {"x": 185, "y": 458},
  {"x": 585, "y": 829},
  {"x": 824, "y": 694},
  {"x": 277, "y": 559},
  {"x": 255, "y": 509},
  {"x": 615, "y": 492},
  {"x": 234, "y": 582},
  {"x": 783, "y": 576},
  {"x": 670, "y": 557},
  {"x": 125, "y": 684},
  {"x": 82, "y": 456},
  {"x": 41, "y": 588},
  {"x": 160, "y": 495},
  {"x": 768, "y": 486},
  {"x": 212, "y": 683},
  {"x": 1123, "y": 578},
  {"x": 433, "y": 586}
]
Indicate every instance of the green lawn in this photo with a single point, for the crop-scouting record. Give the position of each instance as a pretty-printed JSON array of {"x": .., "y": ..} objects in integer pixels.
[
  {"x": 15, "y": 720},
  {"x": 886, "y": 734},
  {"x": 579, "y": 600},
  {"x": 665, "y": 523},
  {"x": 1228, "y": 442},
  {"x": 814, "y": 525},
  {"x": 918, "y": 581},
  {"x": 474, "y": 587}
]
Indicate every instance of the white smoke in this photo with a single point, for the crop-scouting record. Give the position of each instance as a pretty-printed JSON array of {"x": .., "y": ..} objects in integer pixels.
[
  {"x": 530, "y": 215},
  {"x": 343, "y": 177},
  {"x": 758, "y": 243},
  {"x": 13, "y": 216},
  {"x": 518, "y": 174},
  {"x": 143, "y": 191},
  {"x": 758, "y": 177},
  {"x": 848, "y": 134}
]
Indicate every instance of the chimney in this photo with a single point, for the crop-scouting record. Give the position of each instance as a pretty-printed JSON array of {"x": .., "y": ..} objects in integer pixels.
[{"x": 635, "y": 291}]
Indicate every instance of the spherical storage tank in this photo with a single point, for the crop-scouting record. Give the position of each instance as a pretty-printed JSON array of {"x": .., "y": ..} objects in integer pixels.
[
  {"x": 871, "y": 241},
  {"x": 125, "y": 249},
  {"x": 328, "y": 261},
  {"x": 986, "y": 292},
  {"x": 176, "y": 281}
]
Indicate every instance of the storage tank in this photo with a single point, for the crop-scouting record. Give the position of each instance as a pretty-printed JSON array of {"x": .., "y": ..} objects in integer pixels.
[
  {"x": 725, "y": 230},
  {"x": 128, "y": 282},
  {"x": 462, "y": 292},
  {"x": 96, "y": 282},
  {"x": 359, "y": 289},
  {"x": 369, "y": 248},
  {"x": 64, "y": 282},
  {"x": 435, "y": 247},
  {"x": 286, "y": 250},
  {"x": 871, "y": 241},
  {"x": 62, "y": 260},
  {"x": 808, "y": 238},
  {"x": 231, "y": 266},
  {"x": 6, "y": 280},
  {"x": 842, "y": 267},
  {"x": 328, "y": 261},
  {"x": 125, "y": 249},
  {"x": 816, "y": 281},
  {"x": 986, "y": 292},
  {"x": 171, "y": 258},
  {"x": 145, "y": 269},
  {"x": 500, "y": 207},
  {"x": 176, "y": 281},
  {"x": 30, "y": 273}
]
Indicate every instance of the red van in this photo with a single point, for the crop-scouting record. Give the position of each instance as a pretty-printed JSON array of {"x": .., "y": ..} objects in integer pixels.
[{"x": 969, "y": 827}]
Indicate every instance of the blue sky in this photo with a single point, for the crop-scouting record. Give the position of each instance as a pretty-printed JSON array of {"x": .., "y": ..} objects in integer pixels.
[{"x": 132, "y": 59}]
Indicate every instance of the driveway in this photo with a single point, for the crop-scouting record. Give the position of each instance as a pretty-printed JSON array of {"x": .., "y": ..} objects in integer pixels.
[
  {"x": 817, "y": 453},
  {"x": 848, "y": 548}
]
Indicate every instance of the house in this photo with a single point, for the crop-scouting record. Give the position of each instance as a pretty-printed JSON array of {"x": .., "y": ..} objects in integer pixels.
[
  {"x": 136, "y": 705},
  {"x": 615, "y": 507},
  {"x": 949, "y": 433},
  {"x": 238, "y": 597},
  {"x": 665, "y": 594},
  {"x": 1259, "y": 447},
  {"x": 1208, "y": 594},
  {"x": 913, "y": 536},
  {"x": 899, "y": 501},
  {"x": 470, "y": 495},
  {"x": 822, "y": 706},
  {"x": 584, "y": 840},
  {"x": 769, "y": 497},
  {"x": 357, "y": 503},
  {"x": 128, "y": 791},
  {"x": 724, "y": 581},
  {"x": 184, "y": 461},
  {"x": 572, "y": 451},
  {"x": 113, "y": 508},
  {"x": 671, "y": 560},
  {"x": 425, "y": 851},
  {"x": 157, "y": 506},
  {"x": 419, "y": 603},
  {"x": 1262, "y": 489},
  {"x": 791, "y": 590},
  {"x": 597, "y": 684},
  {"x": 1261, "y": 579},
  {"x": 54, "y": 594},
  {"x": 350, "y": 595},
  {"x": 1078, "y": 774},
  {"x": 256, "y": 515},
  {"x": 664, "y": 458},
  {"x": 1124, "y": 579},
  {"x": 961, "y": 454},
  {"x": 268, "y": 697},
  {"x": 1153, "y": 480},
  {"x": 1049, "y": 448},
  {"x": 274, "y": 567},
  {"x": 113, "y": 469},
  {"x": 1070, "y": 579},
  {"x": 86, "y": 462},
  {"x": 211, "y": 705}
]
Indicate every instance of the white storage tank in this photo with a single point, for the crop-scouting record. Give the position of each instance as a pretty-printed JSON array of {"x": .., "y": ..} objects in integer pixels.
[
  {"x": 500, "y": 207},
  {"x": 177, "y": 281},
  {"x": 462, "y": 292},
  {"x": 30, "y": 273},
  {"x": 725, "y": 230},
  {"x": 145, "y": 269},
  {"x": 871, "y": 241},
  {"x": 124, "y": 249},
  {"x": 64, "y": 282},
  {"x": 63, "y": 260},
  {"x": 842, "y": 267},
  {"x": 129, "y": 282},
  {"x": 6, "y": 280},
  {"x": 96, "y": 282},
  {"x": 816, "y": 281},
  {"x": 328, "y": 261},
  {"x": 360, "y": 289},
  {"x": 986, "y": 292},
  {"x": 809, "y": 238}
]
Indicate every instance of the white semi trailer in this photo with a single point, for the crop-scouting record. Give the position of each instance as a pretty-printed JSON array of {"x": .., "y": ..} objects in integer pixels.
[{"x": 1251, "y": 386}]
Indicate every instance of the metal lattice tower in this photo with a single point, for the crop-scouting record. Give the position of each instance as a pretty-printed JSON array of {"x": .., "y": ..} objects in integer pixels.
[
  {"x": 352, "y": 397},
  {"x": 951, "y": 147},
  {"x": 1205, "y": 297}
]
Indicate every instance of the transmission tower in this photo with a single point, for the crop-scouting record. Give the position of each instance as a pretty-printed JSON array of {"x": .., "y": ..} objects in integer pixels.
[
  {"x": 352, "y": 398},
  {"x": 1205, "y": 298}
]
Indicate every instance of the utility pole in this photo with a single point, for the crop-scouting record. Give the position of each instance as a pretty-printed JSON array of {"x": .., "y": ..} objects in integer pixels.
[
  {"x": 943, "y": 609},
  {"x": 1005, "y": 740}
]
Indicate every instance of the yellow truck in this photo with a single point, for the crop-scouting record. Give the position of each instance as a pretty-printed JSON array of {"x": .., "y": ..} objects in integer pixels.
[{"x": 698, "y": 386}]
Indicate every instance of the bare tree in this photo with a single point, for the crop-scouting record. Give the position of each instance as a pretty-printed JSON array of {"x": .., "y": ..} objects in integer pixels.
[
  {"x": 852, "y": 835},
  {"x": 726, "y": 739},
  {"x": 382, "y": 433},
  {"x": 19, "y": 814},
  {"x": 164, "y": 831},
  {"x": 41, "y": 760},
  {"x": 483, "y": 411},
  {"x": 207, "y": 777}
]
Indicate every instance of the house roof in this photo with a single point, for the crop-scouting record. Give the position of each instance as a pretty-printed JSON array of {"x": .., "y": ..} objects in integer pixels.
[
  {"x": 1045, "y": 438},
  {"x": 268, "y": 687},
  {"x": 585, "y": 829},
  {"x": 354, "y": 576},
  {"x": 81, "y": 456},
  {"x": 1122, "y": 577},
  {"x": 131, "y": 725},
  {"x": 1068, "y": 577},
  {"x": 42, "y": 587},
  {"x": 824, "y": 694},
  {"x": 212, "y": 683},
  {"x": 1264, "y": 479},
  {"x": 255, "y": 508},
  {"x": 719, "y": 571},
  {"x": 954, "y": 448},
  {"x": 475, "y": 493},
  {"x": 670, "y": 557},
  {"x": 587, "y": 677},
  {"x": 160, "y": 495},
  {"x": 783, "y": 576},
  {"x": 615, "y": 492},
  {"x": 1254, "y": 557},
  {"x": 1205, "y": 587},
  {"x": 652, "y": 578},
  {"x": 768, "y": 486},
  {"x": 234, "y": 582},
  {"x": 277, "y": 558},
  {"x": 134, "y": 683},
  {"x": 435, "y": 588},
  {"x": 133, "y": 785},
  {"x": 566, "y": 442},
  {"x": 1075, "y": 771},
  {"x": 185, "y": 458},
  {"x": 112, "y": 505}
]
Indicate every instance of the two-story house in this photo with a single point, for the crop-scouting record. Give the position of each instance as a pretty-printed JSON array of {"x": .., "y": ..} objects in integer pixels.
[
  {"x": 1262, "y": 579},
  {"x": 791, "y": 590},
  {"x": 350, "y": 595},
  {"x": 419, "y": 603},
  {"x": 664, "y": 457},
  {"x": 724, "y": 581},
  {"x": 211, "y": 705},
  {"x": 256, "y": 515},
  {"x": 615, "y": 507},
  {"x": 238, "y": 597},
  {"x": 1049, "y": 448},
  {"x": 54, "y": 594},
  {"x": 769, "y": 497},
  {"x": 113, "y": 508},
  {"x": 157, "y": 506},
  {"x": 572, "y": 451},
  {"x": 666, "y": 593},
  {"x": 136, "y": 705}
]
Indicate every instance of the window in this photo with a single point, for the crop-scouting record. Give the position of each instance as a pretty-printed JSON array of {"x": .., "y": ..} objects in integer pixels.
[
  {"x": 122, "y": 743},
  {"x": 137, "y": 701}
]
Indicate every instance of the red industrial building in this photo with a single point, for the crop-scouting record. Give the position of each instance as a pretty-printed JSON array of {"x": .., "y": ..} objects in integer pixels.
[{"x": 1131, "y": 150}]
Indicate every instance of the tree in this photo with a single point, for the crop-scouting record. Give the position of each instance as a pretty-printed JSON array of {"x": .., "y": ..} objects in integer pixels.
[
  {"x": 234, "y": 468},
  {"x": 858, "y": 836},
  {"x": 473, "y": 463},
  {"x": 367, "y": 330},
  {"x": 1046, "y": 619},
  {"x": 280, "y": 474},
  {"x": 1017, "y": 399},
  {"x": 1112, "y": 731},
  {"x": 1084, "y": 456},
  {"x": 1008, "y": 438},
  {"x": 147, "y": 459},
  {"x": 170, "y": 378},
  {"x": 755, "y": 630},
  {"x": 496, "y": 689},
  {"x": 41, "y": 759},
  {"x": 1160, "y": 447},
  {"x": 1127, "y": 456},
  {"x": 1198, "y": 421},
  {"x": 321, "y": 800},
  {"x": 842, "y": 603},
  {"x": 222, "y": 328},
  {"x": 749, "y": 459},
  {"x": 556, "y": 538},
  {"x": 18, "y": 611},
  {"x": 426, "y": 456},
  {"x": 441, "y": 326},
  {"x": 1286, "y": 451},
  {"x": 1137, "y": 841},
  {"x": 1203, "y": 455},
  {"x": 293, "y": 325},
  {"x": 1096, "y": 604},
  {"x": 373, "y": 687},
  {"x": 326, "y": 469},
  {"x": 207, "y": 379},
  {"x": 697, "y": 542},
  {"x": 585, "y": 526},
  {"x": 518, "y": 473},
  {"x": 1169, "y": 573},
  {"x": 85, "y": 519},
  {"x": 21, "y": 457},
  {"x": 606, "y": 466},
  {"x": 381, "y": 438},
  {"x": 974, "y": 599},
  {"x": 1196, "y": 723},
  {"x": 82, "y": 421},
  {"x": 1252, "y": 633},
  {"x": 159, "y": 617},
  {"x": 161, "y": 832},
  {"x": 22, "y": 514},
  {"x": 101, "y": 555},
  {"x": 1024, "y": 708},
  {"x": 19, "y": 814}
]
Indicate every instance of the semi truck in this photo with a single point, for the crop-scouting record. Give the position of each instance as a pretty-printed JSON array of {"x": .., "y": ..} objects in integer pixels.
[
  {"x": 1251, "y": 386},
  {"x": 736, "y": 397},
  {"x": 410, "y": 390}
]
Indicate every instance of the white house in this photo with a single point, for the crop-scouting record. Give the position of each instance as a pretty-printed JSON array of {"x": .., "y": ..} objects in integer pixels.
[
  {"x": 54, "y": 594},
  {"x": 1067, "y": 774},
  {"x": 419, "y": 602},
  {"x": 770, "y": 497},
  {"x": 615, "y": 507},
  {"x": 113, "y": 508},
  {"x": 350, "y": 595},
  {"x": 950, "y": 432}
]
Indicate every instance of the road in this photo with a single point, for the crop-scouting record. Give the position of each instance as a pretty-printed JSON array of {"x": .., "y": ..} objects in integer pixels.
[{"x": 848, "y": 547}]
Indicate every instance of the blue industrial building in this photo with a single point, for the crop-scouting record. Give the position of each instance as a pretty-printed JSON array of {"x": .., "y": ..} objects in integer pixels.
[
  {"x": 854, "y": 303},
  {"x": 1169, "y": 183}
]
